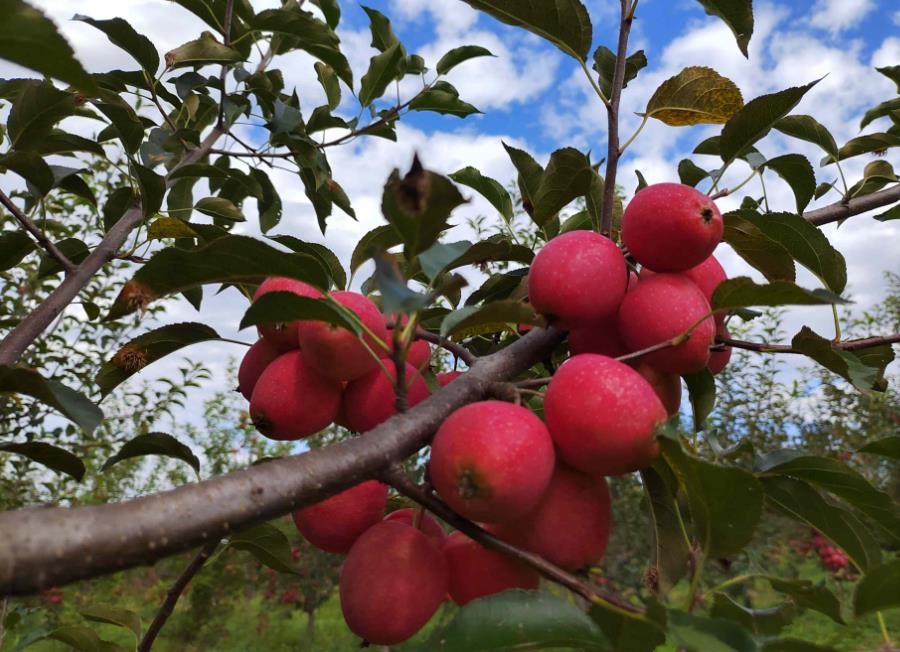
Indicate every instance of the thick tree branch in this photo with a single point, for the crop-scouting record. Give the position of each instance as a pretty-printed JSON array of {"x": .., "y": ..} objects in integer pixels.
[
  {"x": 848, "y": 345},
  {"x": 172, "y": 595},
  {"x": 397, "y": 478},
  {"x": 843, "y": 209},
  {"x": 26, "y": 223},
  {"x": 47, "y": 546},
  {"x": 612, "y": 115}
]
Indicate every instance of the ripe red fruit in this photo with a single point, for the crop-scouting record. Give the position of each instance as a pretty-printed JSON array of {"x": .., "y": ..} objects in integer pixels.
[
  {"x": 476, "y": 571},
  {"x": 577, "y": 278},
  {"x": 446, "y": 377},
  {"x": 337, "y": 352},
  {"x": 428, "y": 524},
  {"x": 418, "y": 354},
  {"x": 491, "y": 461},
  {"x": 601, "y": 337},
  {"x": 662, "y": 307},
  {"x": 255, "y": 361},
  {"x": 718, "y": 359},
  {"x": 666, "y": 386},
  {"x": 291, "y": 400},
  {"x": 392, "y": 582},
  {"x": 371, "y": 400},
  {"x": 336, "y": 523},
  {"x": 670, "y": 227},
  {"x": 570, "y": 526},
  {"x": 602, "y": 415},
  {"x": 283, "y": 336}
]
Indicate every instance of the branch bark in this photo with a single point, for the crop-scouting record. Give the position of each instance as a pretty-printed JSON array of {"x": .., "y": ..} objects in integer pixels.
[
  {"x": 32, "y": 228},
  {"x": 848, "y": 345},
  {"x": 842, "y": 210},
  {"x": 612, "y": 120},
  {"x": 41, "y": 544},
  {"x": 172, "y": 595}
]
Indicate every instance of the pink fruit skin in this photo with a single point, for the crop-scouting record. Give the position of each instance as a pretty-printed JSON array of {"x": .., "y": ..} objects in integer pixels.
[
  {"x": 254, "y": 363},
  {"x": 291, "y": 401},
  {"x": 428, "y": 525},
  {"x": 336, "y": 352},
  {"x": 670, "y": 227},
  {"x": 707, "y": 276},
  {"x": 371, "y": 400},
  {"x": 578, "y": 278},
  {"x": 446, "y": 377},
  {"x": 491, "y": 461},
  {"x": 392, "y": 582},
  {"x": 664, "y": 306},
  {"x": 283, "y": 336},
  {"x": 666, "y": 386},
  {"x": 601, "y": 337},
  {"x": 335, "y": 524},
  {"x": 476, "y": 572},
  {"x": 570, "y": 526},
  {"x": 602, "y": 415},
  {"x": 718, "y": 360}
]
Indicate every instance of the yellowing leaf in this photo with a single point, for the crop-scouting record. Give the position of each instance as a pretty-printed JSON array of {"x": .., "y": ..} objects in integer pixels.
[{"x": 696, "y": 95}]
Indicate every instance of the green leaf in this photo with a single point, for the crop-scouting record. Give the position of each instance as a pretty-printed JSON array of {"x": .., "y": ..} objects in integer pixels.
[
  {"x": 887, "y": 447},
  {"x": 809, "y": 596},
  {"x": 521, "y": 620},
  {"x": 286, "y": 306},
  {"x": 384, "y": 67},
  {"x": 876, "y": 175},
  {"x": 331, "y": 10},
  {"x": 329, "y": 80},
  {"x": 696, "y": 95},
  {"x": 883, "y": 109},
  {"x": 743, "y": 292},
  {"x": 114, "y": 616},
  {"x": 605, "y": 66},
  {"x": 807, "y": 245},
  {"x": 690, "y": 173},
  {"x": 442, "y": 102},
  {"x": 761, "y": 252},
  {"x": 268, "y": 203},
  {"x": 72, "y": 248},
  {"x": 329, "y": 260},
  {"x": 152, "y": 187},
  {"x": 228, "y": 259},
  {"x": 489, "y": 188},
  {"x": 756, "y": 119},
  {"x": 32, "y": 168},
  {"x": 220, "y": 208},
  {"x": 737, "y": 14},
  {"x": 797, "y": 172},
  {"x": 670, "y": 554},
  {"x": 14, "y": 246},
  {"x": 121, "y": 33},
  {"x": 568, "y": 175},
  {"x": 170, "y": 227},
  {"x": 60, "y": 142},
  {"x": 52, "y": 457},
  {"x": 418, "y": 206},
  {"x": 73, "y": 405},
  {"x": 148, "y": 348},
  {"x": 565, "y": 23},
  {"x": 794, "y": 645},
  {"x": 268, "y": 544},
  {"x": 35, "y": 110},
  {"x": 864, "y": 145},
  {"x": 383, "y": 36},
  {"x": 485, "y": 251},
  {"x": 379, "y": 239},
  {"x": 768, "y": 621},
  {"x": 456, "y": 56},
  {"x": 632, "y": 632},
  {"x": 154, "y": 443},
  {"x": 702, "y": 634},
  {"x": 83, "y": 639},
  {"x": 530, "y": 175},
  {"x": 892, "y": 73},
  {"x": 804, "y": 127},
  {"x": 439, "y": 255},
  {"x": 879, "y": 590},
  {"x": 844, "y": 363},
  {"x": 127, "y": 124},
  {"x": 642, "y": 182},
  {"x": 30, "y": 39},
  {"x": 492, "y": 317},
  {"x": 798, "y": 500},
  {"x": 202, "y": 51},
  {"x": 702, "y": 392},
  {"x": 725, "y": 501}
]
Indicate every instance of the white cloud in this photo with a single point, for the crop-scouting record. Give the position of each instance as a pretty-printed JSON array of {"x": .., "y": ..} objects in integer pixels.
[{"x": 839, "y": 15}]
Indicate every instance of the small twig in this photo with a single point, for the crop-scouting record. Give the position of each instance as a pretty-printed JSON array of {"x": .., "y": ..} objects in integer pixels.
[
  {"x": 168, "y": 605},
  {"x": 675, "y": 341},
  {"x": 399, "y": 480},
  {"x": 226, "y": 41},
  {"x": 533, "y": 382},
  {"x": 848, "y": 345},
  {"x": 26, "y": 223},
  {"x": 456, "y": 349},
  {"x": 401, "y": 402}
]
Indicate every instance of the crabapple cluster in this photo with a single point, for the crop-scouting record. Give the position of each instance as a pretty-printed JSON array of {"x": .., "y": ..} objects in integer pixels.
[
  {"x": 538, "y": 484},
  {"x": 832, "y": 558}
]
